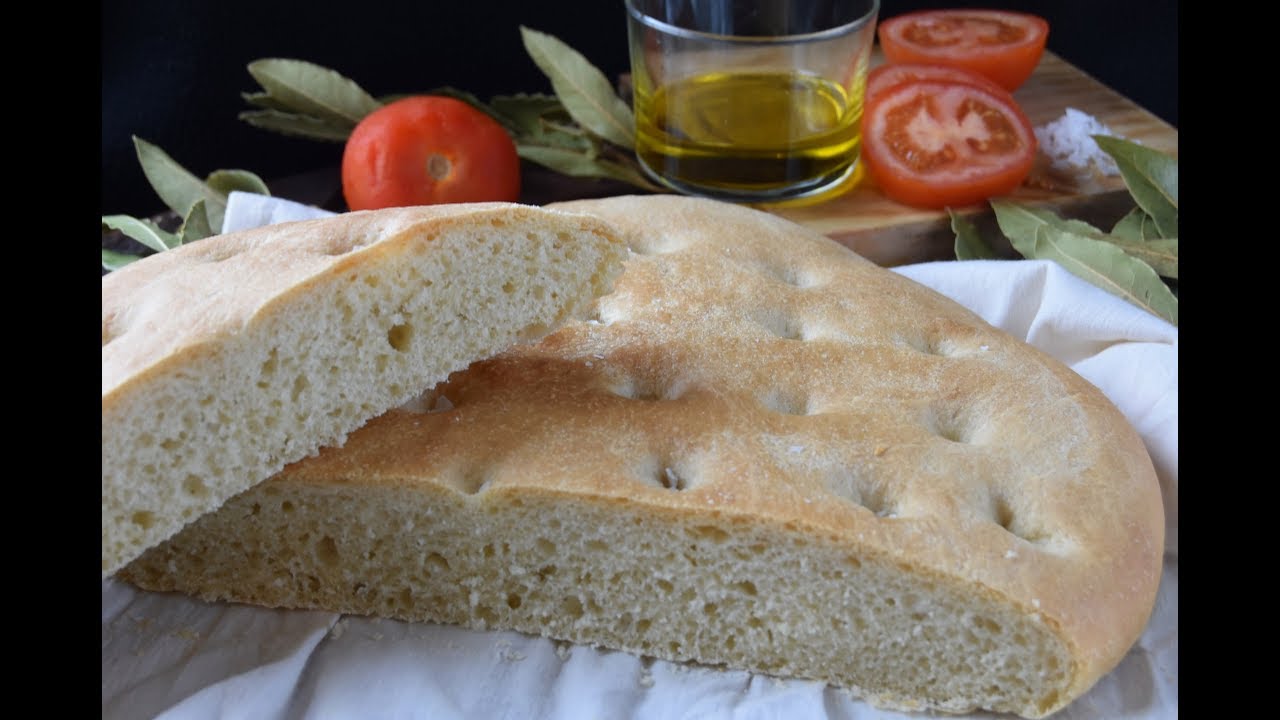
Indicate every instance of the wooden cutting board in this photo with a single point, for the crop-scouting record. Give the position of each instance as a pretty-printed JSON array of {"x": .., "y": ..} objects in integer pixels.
[{"x": 892, "y": 234}]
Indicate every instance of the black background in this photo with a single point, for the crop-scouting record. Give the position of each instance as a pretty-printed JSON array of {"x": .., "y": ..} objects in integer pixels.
[{"x": 172, "y": 72}]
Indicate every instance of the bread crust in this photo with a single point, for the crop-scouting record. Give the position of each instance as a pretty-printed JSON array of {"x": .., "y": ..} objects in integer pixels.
[{"x": 754, "y": 378}]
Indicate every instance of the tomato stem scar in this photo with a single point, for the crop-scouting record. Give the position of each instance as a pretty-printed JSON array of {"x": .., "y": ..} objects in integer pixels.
[{"x": 438, "y": 166}]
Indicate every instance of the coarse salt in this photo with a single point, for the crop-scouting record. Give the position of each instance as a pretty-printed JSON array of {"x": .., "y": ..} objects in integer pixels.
[{"x": 1068, "y": 143}]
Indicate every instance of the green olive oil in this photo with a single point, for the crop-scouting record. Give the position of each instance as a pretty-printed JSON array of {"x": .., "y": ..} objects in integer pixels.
[{"x": 754, "y": 134}]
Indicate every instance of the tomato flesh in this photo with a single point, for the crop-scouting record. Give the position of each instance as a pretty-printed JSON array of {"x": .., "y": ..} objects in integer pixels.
[
  {"x": 934, "y": 144},
  {"x": 1002, "y": 46}
]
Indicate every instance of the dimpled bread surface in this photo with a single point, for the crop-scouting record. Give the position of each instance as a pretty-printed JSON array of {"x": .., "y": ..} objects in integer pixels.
[
  {"x": 761, "y": 451},
  {"x": 225, "y": 359}
]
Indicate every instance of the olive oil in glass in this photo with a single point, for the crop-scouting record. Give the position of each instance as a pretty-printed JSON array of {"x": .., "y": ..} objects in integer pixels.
[{"x": 757, "y": 135}]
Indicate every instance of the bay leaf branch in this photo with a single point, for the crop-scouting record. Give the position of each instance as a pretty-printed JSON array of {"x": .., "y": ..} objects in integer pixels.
[
  {"x": 176, "y": 186},
  {"x": 144, "y": 231},
  {"x": 314, "y": 90},
  {"x": 1152, "y": 179},
  {"x": 1102, "y": 264},
  {"x": 296, "y": 125},
  {"x": 586, "y": 93},
  {"x": 579, "y": 164}
]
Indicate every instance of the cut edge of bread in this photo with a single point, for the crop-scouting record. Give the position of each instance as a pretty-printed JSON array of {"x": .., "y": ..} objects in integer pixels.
[{"x": 226, "y": 359}]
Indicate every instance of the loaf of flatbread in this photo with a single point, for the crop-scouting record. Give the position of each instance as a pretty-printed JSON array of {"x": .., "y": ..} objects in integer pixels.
[
  {"x": 761, "y": 451},
  {"x": 225, "y": 359}
]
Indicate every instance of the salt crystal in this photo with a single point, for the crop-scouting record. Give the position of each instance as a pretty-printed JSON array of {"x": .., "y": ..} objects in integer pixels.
[{"x": 1067, "y": 142}]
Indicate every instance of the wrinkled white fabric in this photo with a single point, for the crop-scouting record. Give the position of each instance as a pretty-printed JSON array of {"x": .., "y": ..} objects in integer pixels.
[{"x": 175, "y": 657}]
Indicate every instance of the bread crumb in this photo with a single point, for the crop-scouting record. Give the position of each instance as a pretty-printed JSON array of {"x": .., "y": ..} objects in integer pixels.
[
  {"x": 1010, "y": 554},
  {"x": 442, "y": 404},
  {"x": 598, "y": 356},
  {"x": 646, "y": 678},
  {"x": 590, "y": 364},
  {"x": 881, "y": 449},
  {"x": 984, "y": 348},
  {"x": 338, "y": 629},
  {"x": 796, "y": 448},
  {"x": 562, "y": 651}
]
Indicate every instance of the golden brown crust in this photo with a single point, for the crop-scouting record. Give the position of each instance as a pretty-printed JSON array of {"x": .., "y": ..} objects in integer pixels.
[{"x": 751, "y": 374}]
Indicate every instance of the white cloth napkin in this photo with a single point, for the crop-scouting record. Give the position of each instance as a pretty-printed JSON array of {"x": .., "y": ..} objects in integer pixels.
[{"x": 174, "y": 657}]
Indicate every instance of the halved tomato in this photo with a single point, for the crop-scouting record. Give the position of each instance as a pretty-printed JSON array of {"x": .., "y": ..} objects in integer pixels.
[
  {"x": 1004, "y": 46},
  {"x": 886, "y": 76},
  {"x": 933, "y": 144}
]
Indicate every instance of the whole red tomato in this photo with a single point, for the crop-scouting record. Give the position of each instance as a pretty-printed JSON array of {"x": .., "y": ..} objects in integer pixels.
[{"x": 425, "y": 150}]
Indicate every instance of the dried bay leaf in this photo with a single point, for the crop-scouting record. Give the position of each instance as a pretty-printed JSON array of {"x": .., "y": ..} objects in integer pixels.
[
  {"x": 144, "y": 231},
  {"x": 1161, "y": 254},
  {"x": 296, "y": 125},
  {"x": 1152, "y": 179},
  {"x": 579, "y": 164},
  {"x": 225, "y": 181},
  {"x": 1100, "y": 263},
  {"x": 175, "y": 185},
  {"x": 266, "y": 101},
  {"x": 585, "y": 91},
  {"x": 969, "y": 242},
  {"x": 313, "y": 89},
  {"x": 523, "y": 112},
  {"x": 1130, "y": 226},
  {"x": 449, "y": 92},
  {"x": 196, "y": 225},
  {"x": 112, "y": 260}
]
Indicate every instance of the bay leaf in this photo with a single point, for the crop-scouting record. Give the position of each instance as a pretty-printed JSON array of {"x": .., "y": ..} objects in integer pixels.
[
  {"x": 224, "y": 181},
  {"x": 1130, "y": 226},
  {"x": 112, "y": 260},
  {"x": 266, "y": 101},
  {"x": 586, "y": 93},
  {"x": 144, "y": 231},
  {"x": 1161, "y": 253},
  {"x": 1019, "y": 216},
  {"x": 969, "y": 243},
  {"x": 464, "y": 96},
  {"x": 1152, "y": 179},
  {"x": 313, "y": 89},
  {"x": 578, "y": 164},
  {"x": 196, "y": 225},
  {"x": 175, "y": 185},
  {"x": 297, "y": 125},
  {"x": 523, "y": 113},
  {"x": 1100, "y": 263},
  {"x": 540, "y": 119}
]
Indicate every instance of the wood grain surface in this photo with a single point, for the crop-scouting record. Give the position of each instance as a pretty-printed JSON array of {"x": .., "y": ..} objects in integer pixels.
[{"x": 888, "y": 233}]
